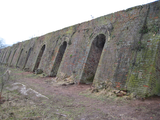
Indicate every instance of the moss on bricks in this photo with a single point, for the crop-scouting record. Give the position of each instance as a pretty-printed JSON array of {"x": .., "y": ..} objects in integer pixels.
[{"x": 142, "y": 77}]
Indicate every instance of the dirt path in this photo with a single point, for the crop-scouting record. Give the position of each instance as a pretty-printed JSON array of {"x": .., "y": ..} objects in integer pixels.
[{"x": 76, "y": 102}]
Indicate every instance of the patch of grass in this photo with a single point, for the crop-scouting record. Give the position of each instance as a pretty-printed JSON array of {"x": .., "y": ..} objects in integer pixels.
[{"x": 19, "y": 107}]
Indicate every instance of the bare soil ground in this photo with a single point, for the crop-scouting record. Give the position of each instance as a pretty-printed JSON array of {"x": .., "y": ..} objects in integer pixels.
[{"x": 43, "y": 98}]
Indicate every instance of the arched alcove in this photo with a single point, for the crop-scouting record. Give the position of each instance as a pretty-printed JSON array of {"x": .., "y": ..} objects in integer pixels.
[
  {"x": 19, "y": 57},
  {"x": 39, "y": 58},
  {"x": 4, "y": 56},
  {"x": 93, "y": 59},
  {"x": 8, "y": 57},
  {"x": 13, "y": 57},
  {"x": 58, "y": 59},
  {"x": 29, "y": 52}
]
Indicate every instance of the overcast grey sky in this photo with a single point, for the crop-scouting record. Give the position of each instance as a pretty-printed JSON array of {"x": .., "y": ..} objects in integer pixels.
[{"x": 23, "y": 19}]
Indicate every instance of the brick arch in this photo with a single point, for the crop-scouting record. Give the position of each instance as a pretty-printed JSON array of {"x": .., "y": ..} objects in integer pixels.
[
  {"x": 39, "y": 57},
  {"x": 19, "y": 57},
  {"x": 13, "y": 57},
  {"x": 8, "y": 57},
  {"x": 93, "y": 58},
  {"x": 58, "y": 59},
  {"x": 4, "y": 56},
  {"x": 29, "y": 52}
]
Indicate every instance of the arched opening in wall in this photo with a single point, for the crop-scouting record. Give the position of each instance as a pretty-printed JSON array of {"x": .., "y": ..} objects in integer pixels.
[
  {"x": 29, "y": 52},
  {"x": 13, "y": 57},
  {"x": 39, "y": 58},
  {"x": 93, "y": 59},
  {"x": 3, "y": 57},
  {"x": 19, "y": 57},
  {"x": 8, "y": 57},
  {"x": 58, "y": 59}
]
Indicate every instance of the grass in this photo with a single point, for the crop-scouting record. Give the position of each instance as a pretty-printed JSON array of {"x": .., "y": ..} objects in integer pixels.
[
  {"x": 19, "y": 107},
  {"x": 85, "y": 105}
]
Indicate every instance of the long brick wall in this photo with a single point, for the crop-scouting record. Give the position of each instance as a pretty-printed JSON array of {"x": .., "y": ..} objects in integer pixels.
[{"x": 119, "y": 49}]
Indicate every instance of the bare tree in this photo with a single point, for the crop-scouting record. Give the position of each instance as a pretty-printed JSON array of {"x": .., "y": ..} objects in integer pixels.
[
  {"x": 2, "y": 43},
  {"x": 4, "y": 77},
  {"x": 3, "y": 80}
]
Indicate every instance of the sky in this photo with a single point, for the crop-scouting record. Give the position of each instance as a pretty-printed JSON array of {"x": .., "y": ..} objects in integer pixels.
[{"x": 23, "y": 19}]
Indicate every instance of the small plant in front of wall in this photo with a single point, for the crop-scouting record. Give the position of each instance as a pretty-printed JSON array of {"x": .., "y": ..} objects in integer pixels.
[
  {"x": 58, "y": 37},
  {"x": 129, "y": 9},
  {"x": 119, "y": 42},
  {"x": 87, "y": 30},
  {"x": 155, "y": 29},
  {"x": 140, "y": 46},
  {"x": 91, "y": 35},
  {"x": 69, "y": 43},
  {"x": 113, "y": 36},
  {"x": 144, "y": 29},
  {"x": 71, "y": 56},
  {"x": 139, "y": 42}
]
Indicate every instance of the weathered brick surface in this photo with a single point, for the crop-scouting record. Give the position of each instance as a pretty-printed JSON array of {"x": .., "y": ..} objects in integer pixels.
[{"x": 129, "y": 58}]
